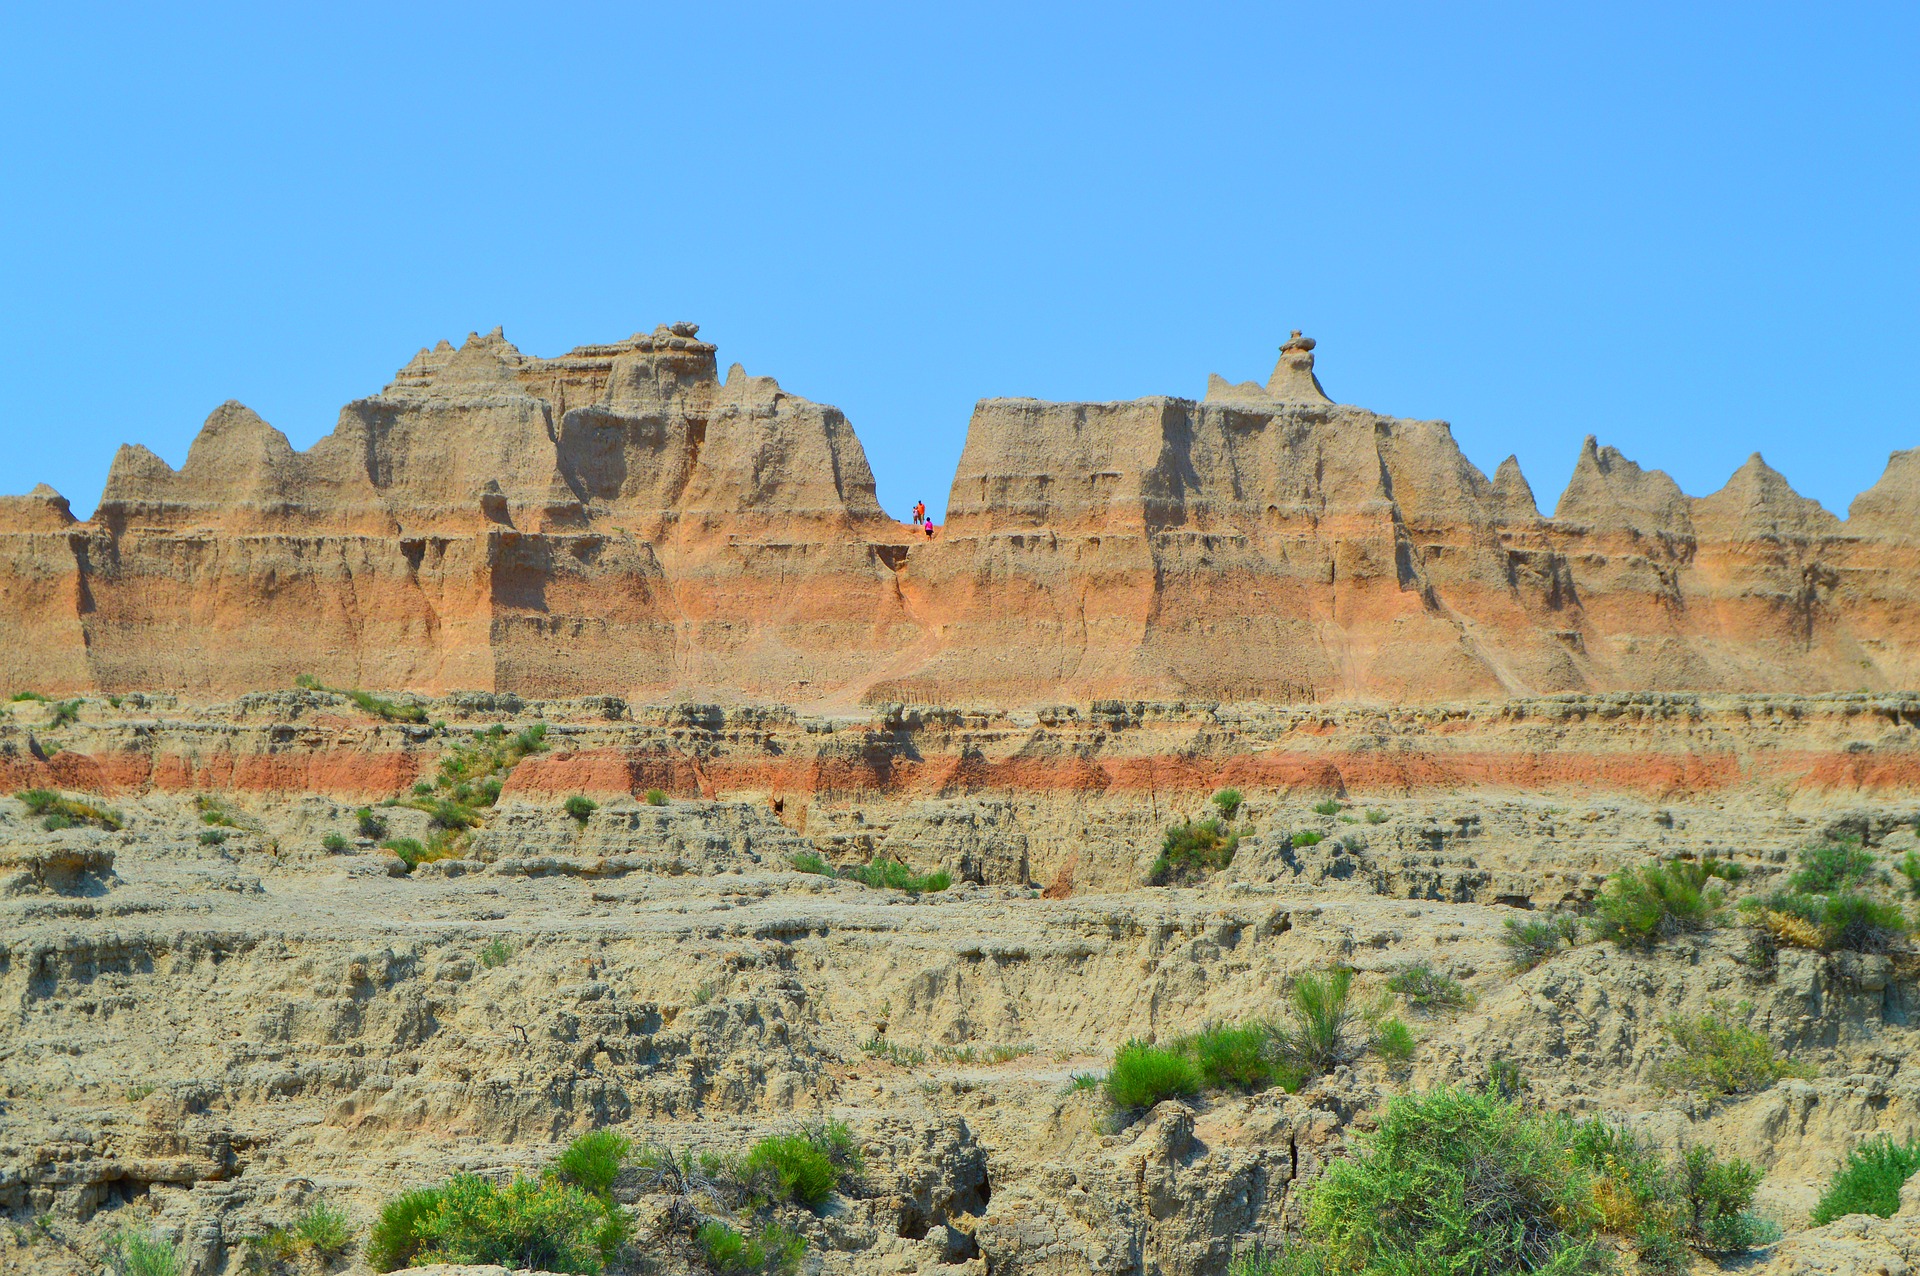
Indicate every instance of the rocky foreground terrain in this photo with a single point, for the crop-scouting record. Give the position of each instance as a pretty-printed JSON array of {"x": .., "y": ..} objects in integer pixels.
[{"x": 238, "y": 1004}]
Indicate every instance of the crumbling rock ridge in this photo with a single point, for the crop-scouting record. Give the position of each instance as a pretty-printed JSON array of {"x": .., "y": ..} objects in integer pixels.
[{"x": 621, "y": 520}]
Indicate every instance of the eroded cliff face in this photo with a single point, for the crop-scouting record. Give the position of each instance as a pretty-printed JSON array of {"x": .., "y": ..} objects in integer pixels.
[{"x": 621, "y": 520}]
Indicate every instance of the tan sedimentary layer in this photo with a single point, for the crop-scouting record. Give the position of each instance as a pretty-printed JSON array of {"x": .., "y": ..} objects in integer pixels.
[{"x": 622, "y": 520}]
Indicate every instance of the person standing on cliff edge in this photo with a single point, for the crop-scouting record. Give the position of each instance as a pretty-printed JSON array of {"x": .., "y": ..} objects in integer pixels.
[{"x": 919, "y": 512}]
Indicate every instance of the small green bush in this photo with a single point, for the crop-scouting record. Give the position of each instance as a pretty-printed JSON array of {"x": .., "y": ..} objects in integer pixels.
[
  {"x": 409, "y": 849},
  {"x": 594, "y": 1160},
  {"x": 810, "y": 862},
  {"x": 1531, "y": 942},
  {"x": 1308, "y": 837},
  {"x": 1080, "y": 1082},
  {"x": 212, "y": 837},
  {"x": 1454, "y": 1181},
  {"x": 1869, "y": 1180},
  {"x": 791, "y": 1167},
  {"x": 1377, "y": 817},
  {"x": 1227, "y": 802},
  {"x": 1143, "y": 1074},
  {"x": 1318, "y": 1031},
  {"x": 581, "y": 807},
  {"x": 1719, "y": 1057},
  {"x": 655, "y": 797},
  {"x": 900, "y": 1056},
  {"x": 1835, "y": 866},
  {"x": 397, "y": 1234},
  {"x": 368, "y": 824},
  {"x": 323, "y": 1229},
  {"x": 333, "y": 843},
  {"x": 496, "y": 952},
  {"x": 449, "y": 815},
  {"x": 893, "y": 875},
  {"x": 135, "y": 1254},
  {"x": 534, "y": 1223},
  {"x": 1231, "y": 1058},
  {"x": 1505, "y": 1079},
  {"x": 1909, "y": 868},
  {"x": 1327, "y": 807},
  {"x": 1828, "y": 923},
  {"x": 1192, "y": 848},
  {"x": 1641, "y": 907},
  {"x": 19, "y": 696},
  {"x": 1393, "y": 1040},
  {"x": 1719, "y": 1200},
  {"x": 69, "y": 812},
  {"x": 726, "y": 1250},
  {"x": 1426, "y": 988},
  {"x": 65, "y": 713}
]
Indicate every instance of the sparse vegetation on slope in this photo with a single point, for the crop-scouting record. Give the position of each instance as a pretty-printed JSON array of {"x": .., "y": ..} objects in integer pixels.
[
  {"x": 1837, "y": 900},
  {"x": 386, "y": 710},
  {"x": 1660, "y": 901},
  {"x": 1716, "y": 1056},
  {"x": 58, "y": 812},
  {"x": 1869, "y": 1181},
  {"x": 1192, "y": 849}
]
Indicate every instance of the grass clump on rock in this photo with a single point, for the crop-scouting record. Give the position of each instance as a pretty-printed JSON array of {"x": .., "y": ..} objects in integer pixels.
[
  {"x": 1144, "y": 1074},
  {"x": 1869, "y": 1181},
  {"x": 1718, "y": 1057},
  {"x": 1227, "y": 802},
  {"x": 59, "y": 812},
  {"x": 137, "y": 1254},
  {"x": 1833, "y": 903},
  {"x": 1471, "y": 1183},
  {"x": 804, "y": 1168},
  {"x": 1193, "y": 848},
  {"x": 656, "y": 797},
  {"x": 1528, "y": 943},
  {"x": 386, "y": 710},
  {"x": 893, "y": 875},
  {"x": 1428, "y": 989},
  {"x": 1641, "y": 907},
  {"x": 554, "y": 1222},
  {"x": 579, "y": 808}
]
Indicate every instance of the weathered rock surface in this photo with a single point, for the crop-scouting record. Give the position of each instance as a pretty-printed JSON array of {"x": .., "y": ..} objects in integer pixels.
[
  {"x": 203, "y": 1037},
  {"x": 621, "y": 520}
]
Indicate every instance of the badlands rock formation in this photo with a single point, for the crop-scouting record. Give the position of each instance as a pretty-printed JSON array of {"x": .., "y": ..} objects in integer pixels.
[
  {"x": 619, "y": 520},
  {"x": 1444, "y": 711}
]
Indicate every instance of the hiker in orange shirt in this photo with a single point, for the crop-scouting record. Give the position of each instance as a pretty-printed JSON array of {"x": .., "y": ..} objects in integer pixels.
[{"x": 919, "y": 513}]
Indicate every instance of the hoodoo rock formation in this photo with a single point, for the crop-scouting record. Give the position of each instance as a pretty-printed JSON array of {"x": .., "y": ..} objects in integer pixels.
[{"x": 622, "y": 520}]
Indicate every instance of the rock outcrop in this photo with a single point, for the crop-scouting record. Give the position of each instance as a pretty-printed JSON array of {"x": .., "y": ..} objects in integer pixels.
[{"x": 622, "y": 520}]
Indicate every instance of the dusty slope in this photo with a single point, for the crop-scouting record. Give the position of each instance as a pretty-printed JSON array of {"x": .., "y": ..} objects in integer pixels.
[
  {"x": 203, "y": 1038},
  {"x": 623, "y": 520}
]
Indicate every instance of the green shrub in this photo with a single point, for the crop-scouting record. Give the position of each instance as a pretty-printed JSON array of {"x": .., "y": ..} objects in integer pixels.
[
  {"x": 64, "y": 714},
  {"x": 1230, "y": 1058},
  {"x": 1377, "y": 817},
  {"x": 1454, "y": 1181},
  {"x": 496, "y": 952},
  {"x": 1425, "y": 987},
  {"x": 1227, "y": 802},
  {"x": 19, "y": 696},
  {"x": 1869, "y": 1180},
  {"x": 1193, "y": 848},
  {"x": 1083, "y": 1081},
  {"x": 214, "y": 812},
  {"x": 726, "y": 1250},
  {"x": 791, "y": 1167},
  {"x": 900, "y": 1056},
  {"x": 1833, "y": 867},
  {"x": 1531, "y": 942},
  {"x": 581, "y": 807},
  {"x": 1143, "y": 1074},
  {"x": 656, "y": 798},
  {"x": 135, "y": 1254},
  {"x": 1828, "y": 923},
  {"x": 1317, "y": 1033},
  {"x": 409, "y": 849},
  {"x": 323, "y": 1229},
  {"x": 534, "y": 1223},
  {"x": 1327, "y": 807},
  {"x": 69, "y": 812},
  {"x": 894, "y": 875},
  {"x": 212, "y": 837},
  {"x": 1659, "y": 901},
  {"x": 1505, "y": 1079},
  {"x": 810, "y": 862},
  {"x": 397, "y": 1234},
  {"x": 1308, "y": 837},
  {"x": 334, "y": 843},
  {"x": 1393, "y": 1040},
  {"x": 593, "y": 1161},
  {"x": 1720, "y": 1057},
  {"x": 369, "y": 825},
  {"x": 1719, "y": 1199},
  {"x": 1909, "y": 868},
  {"x": 449, "y": 815}
]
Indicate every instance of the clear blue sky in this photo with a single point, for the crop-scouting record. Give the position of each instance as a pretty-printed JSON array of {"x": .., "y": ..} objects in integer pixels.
[{"x": 1692, "y": 230}]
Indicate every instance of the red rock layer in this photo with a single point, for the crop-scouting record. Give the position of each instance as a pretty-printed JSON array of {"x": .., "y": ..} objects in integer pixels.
[{"x": 620, "y": 520}]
